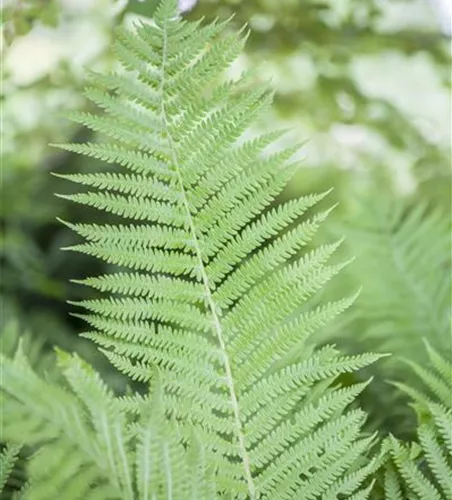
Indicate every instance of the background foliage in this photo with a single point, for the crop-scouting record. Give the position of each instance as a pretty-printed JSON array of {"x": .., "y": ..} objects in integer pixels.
[{"x": 366, "y": 83}]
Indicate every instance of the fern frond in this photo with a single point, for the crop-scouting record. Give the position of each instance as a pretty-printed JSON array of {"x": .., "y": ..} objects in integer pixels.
[
  {"x": 87, "y": 444},
  {"x": 8, "y": 459},
  {"x": 403, "y": 261},
  {"x": 425, "y": 469},
  {"x": 216, "y": 283},
  {"x": 37, "y": 412},
  {"x": 392, "y": 485}
]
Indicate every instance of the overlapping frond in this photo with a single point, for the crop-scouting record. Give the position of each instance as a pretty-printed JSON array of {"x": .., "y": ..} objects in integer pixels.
[
  {"x": 403, "y": 262},
  {"x": 8, "y": 459},
  {"x": 424, "y": 470},
  {"x": 215, "y": 281},
  {"x": 87, "y": 444}
]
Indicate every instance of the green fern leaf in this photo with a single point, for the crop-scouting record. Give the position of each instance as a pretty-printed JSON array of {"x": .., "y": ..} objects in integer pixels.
[
  {"x": 8, "y": 459},
  {"x": 403, "y": 258},
  {"x": 215, "y": 282},
  {"x": 425, "y": 469},
  {"x": 87, "y": 443}
]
